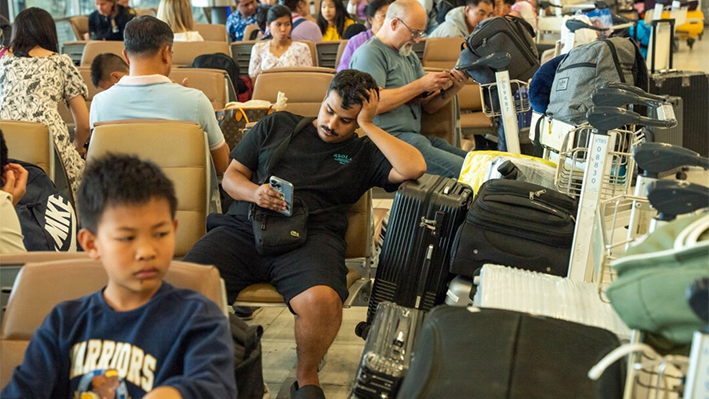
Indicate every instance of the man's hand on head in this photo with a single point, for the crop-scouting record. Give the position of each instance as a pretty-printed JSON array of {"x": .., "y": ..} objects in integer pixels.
[
  {"x": 369, "y": 109},
  {"x": 269, "y": 199}
]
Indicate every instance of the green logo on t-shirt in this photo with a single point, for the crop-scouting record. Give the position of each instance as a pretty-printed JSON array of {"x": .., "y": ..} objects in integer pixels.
[{"x": 342, "y": 159}]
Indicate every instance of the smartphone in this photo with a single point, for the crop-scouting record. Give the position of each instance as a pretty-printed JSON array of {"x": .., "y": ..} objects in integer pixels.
[{"x": 286, "y": 189}]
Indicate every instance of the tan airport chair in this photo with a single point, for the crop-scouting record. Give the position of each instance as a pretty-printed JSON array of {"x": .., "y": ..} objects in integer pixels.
[
  {"x": 79, "y": 25},
  {"x": 10, "y": 265},
  {"x": 96, "y": 47},
  {"x": 442, "y": 52},
  {"x": 183, "y": 53},
  {"x": 305, "y": 87},
  {"x": 180, "y": 149},
  {"x": 75, "y": 50},
  {"x": 249, "y": 30},
  {"x": 212, "y": 32},
  {"x": 472, "y": 119},
  {"x": 141, "y": 12},
  {"x": 313, "y": 50},
  {"x": 241, "y": 53},
  {"x": 547, "y": 55},
  {"x": 444, "y": 123},
  {"x": 328, "y": 51},
  {"x": 211, "y": 82},
  {"x": 358, "y": 259},
  {"x": 32, "y": 142},
  {"x": 41, "y": 286}
]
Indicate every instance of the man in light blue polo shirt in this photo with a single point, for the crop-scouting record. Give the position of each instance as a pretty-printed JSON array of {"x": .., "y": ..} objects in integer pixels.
[
  {"x": 148, "y": 93},
  {"x": 406, "y": 89}
]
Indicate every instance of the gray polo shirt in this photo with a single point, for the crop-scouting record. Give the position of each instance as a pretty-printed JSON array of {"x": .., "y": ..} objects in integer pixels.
[{"x": 390, "y": 71}]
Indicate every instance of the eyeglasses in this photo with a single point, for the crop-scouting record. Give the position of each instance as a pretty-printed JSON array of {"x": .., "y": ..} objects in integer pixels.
[{"x": 415, "y": 34}]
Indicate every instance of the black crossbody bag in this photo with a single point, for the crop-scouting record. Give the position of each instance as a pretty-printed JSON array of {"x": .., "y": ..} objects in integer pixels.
[{"x": 274, "y": 232}]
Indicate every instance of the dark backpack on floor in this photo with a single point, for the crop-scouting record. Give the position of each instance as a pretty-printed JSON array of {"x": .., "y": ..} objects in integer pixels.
[
  {"x": 248, "y": 369},
  {"x": 224, "y": 62},
  {"x": 46, "y": 216}
]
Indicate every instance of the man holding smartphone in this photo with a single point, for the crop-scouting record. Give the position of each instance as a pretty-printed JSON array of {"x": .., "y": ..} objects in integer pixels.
[{"x": 328, "y": 165}]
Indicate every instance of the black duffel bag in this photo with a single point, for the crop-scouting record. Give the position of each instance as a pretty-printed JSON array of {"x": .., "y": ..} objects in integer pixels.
[
  {"x": 478, "y": 353},
  {"x": 517, "y": 224}
]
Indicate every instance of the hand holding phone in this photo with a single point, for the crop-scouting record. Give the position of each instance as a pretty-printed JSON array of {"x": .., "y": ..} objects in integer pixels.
[{"x": 285, "y": 188}]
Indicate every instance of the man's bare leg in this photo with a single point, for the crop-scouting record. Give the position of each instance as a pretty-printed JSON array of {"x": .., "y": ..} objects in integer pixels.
[{"x": 319, "y": 316}]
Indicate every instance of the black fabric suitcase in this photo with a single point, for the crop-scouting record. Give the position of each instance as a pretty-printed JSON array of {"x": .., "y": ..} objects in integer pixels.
[
  {"x": 387, "y": 352},
  {"x": 518, "y": 224},
  {"x": 413, "y": 265},
  {"x": 693, "y": 87},
  {"x": 476, "y": 353}
]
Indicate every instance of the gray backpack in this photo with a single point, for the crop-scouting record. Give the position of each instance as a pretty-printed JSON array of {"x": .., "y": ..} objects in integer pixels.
[{"x": 589, "y": 66}]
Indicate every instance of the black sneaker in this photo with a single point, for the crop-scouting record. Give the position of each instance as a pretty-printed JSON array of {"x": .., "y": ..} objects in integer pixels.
[
  {"x": 246, "y": 312},
  {"x": 306, "y": 392}
]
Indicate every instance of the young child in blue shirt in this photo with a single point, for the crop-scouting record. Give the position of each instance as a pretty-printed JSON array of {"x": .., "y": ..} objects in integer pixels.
[{"x": 139, "y": 337}]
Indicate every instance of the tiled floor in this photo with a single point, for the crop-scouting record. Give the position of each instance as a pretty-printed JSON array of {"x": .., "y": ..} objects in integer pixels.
[{"x": 337, "y": 376}]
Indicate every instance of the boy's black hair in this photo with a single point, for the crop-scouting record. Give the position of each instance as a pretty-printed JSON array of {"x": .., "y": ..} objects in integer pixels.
[
  {"x": 118, "y": 179},
  {"x": 146, "y": 35},
  {"x": 475, "y": 3},
  {"x": 33, "y": 27},
  {"x": 353, "y": 87},
  {"x": 104, "y": 64},
  {"x": 341, "y": 16},
  {"x": 261, "y": 20},
  {"x": 508, "y": 2},
  {"x": 291, "y": 4}
]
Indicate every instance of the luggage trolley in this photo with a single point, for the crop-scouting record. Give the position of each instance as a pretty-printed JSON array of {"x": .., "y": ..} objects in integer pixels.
[
  {"x": 650, "y": 375},
  {"x": 596, "y": 163},
  {"x": 502, "y": 92}
]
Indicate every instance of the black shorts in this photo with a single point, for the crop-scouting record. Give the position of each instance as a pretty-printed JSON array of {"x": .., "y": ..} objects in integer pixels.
[{"x": 230, "y": 247}]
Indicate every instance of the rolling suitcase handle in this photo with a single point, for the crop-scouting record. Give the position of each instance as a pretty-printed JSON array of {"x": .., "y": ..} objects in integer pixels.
[{"x": 653, "y": 42}]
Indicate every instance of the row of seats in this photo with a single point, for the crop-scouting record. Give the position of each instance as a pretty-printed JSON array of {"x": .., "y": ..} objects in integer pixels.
[
  {"x": 435, "y": 53},
  {"x": 210, "y": 32}
]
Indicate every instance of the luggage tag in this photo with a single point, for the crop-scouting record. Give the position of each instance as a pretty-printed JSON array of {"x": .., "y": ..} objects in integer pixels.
[{"x": 666, "y": 112}]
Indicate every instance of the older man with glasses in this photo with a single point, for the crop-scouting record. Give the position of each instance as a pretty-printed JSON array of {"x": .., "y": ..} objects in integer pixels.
[{"x": 406, "y": 89}]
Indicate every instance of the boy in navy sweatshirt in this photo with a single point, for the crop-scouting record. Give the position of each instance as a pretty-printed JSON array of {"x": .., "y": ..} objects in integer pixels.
[{"x": 138, "y": 337}]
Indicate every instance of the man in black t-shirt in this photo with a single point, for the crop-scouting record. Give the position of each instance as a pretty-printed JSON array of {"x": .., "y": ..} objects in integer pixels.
[{"x": 328, "y": 166}]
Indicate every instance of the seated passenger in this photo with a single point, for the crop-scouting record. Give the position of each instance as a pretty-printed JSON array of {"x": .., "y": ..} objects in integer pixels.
[
  {"x": 148, "y": 93},
  {"x": 128, "y": 217},
  {"x": 407, "y": 88},
  {"x": 333, "y": 19},
  {"x": 34, "y": 78},
  {"x": 461, "y": 21},
  {"x": 304, "y": 25},
  {"x": 329, "y": 167},
  {"x": 108, "y": 21},
  {"x": 376, "y": 12},
  {"x": 281, "y": 51},
  {"x": 245, "y": 14},
  {"x": 107, "y": 69},
  {"x": 178, "y": 14},
  {"x": 14, "y": 186},
  {"x": 358, "y": 8}
]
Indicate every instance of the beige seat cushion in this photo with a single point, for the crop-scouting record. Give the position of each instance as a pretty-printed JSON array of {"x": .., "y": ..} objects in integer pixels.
[
  {"x": 212, "y": 32},
  {"x": 305, "y": 88},
  {"x": 266, "y": 293},
  {"x": 475, "y": 119},
  {"x": 96, "y": 47},
  {"x": 29, "y": 142},
  {"x": 183, "y": 53},
  {"x": 442, "y": 52}
]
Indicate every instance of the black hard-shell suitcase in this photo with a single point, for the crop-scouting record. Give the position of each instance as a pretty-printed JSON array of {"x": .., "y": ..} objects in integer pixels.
[
  {"x": 476, "y": 353},
  {"x": 387, "y": 352},
  {"x": 693, "y": 87},
  {"x": 413, "y": 265},
  {"x": 518, "y": 224}
]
